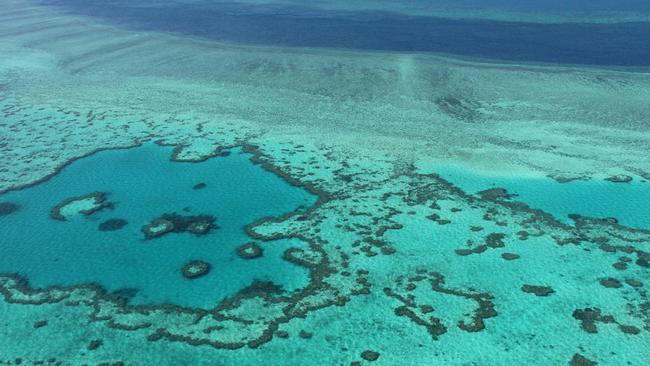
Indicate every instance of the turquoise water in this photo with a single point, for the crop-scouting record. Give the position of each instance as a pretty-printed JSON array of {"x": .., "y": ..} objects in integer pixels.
[
  {"x": 143, "y": 184},
  {"x": 389, "y": 266},
  {"x": 627, "y": 202}
]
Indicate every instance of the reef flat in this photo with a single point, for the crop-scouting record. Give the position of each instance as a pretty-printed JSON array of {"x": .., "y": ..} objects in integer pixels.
[
  {"x": 400, "y": 265},
  {"x": 552, "y": 11}
]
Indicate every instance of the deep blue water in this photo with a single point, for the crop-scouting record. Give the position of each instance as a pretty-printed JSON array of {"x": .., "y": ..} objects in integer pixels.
[
  {"x": 143, "y": 183},
  {"x": 543, "y": 5},
  {"x": 617, "y": 44}
]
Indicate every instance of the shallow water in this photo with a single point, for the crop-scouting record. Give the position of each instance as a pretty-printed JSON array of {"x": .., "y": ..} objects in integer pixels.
[
  {"x": 143, "y": 183},
  {"x": 597, "y": 197}
]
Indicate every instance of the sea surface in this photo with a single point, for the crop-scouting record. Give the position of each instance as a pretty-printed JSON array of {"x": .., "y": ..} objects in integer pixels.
[
  {"x": 290, "y": 182},
  {"x": 300, "y": 24},
  {"x": 142, "y": 184}
]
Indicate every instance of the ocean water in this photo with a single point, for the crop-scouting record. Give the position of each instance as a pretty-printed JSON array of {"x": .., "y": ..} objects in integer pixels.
[
  {"x": 596, "y": 197},
  {"x": 359, "y": 135},
  {"x": 301, "y": 25},
  {"x": 143, "y": 184}
]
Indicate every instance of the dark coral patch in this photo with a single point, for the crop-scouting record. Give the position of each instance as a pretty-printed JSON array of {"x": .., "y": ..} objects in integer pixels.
[
  {"x": 199, "y": 186},
  {"x": 643, "y": 259},
  {"x": 523, "y": 234},
  {"x": 537, "y": 290},
  {"x": 199, "y": 227},
  {"x": 172, "y": 222},
  {"x": 369, "y": 355},
  {"x": 112, "y": 224},
  {"x": 495, "y": 194},
  {"x": 438, "y": 219},
  {"x": 610, "y": 282},
  {"x": 629, "y": 329},
  {"x": 261, "y": 287},
  {"x": 495, "y": 240},
  {"x": 7, "y": 208},
  {"x": 634, "y": 283},
  {"x": 588, "y": 318},
  {"x": 565, "y": 179},
  {"x": 94, "y": 344},
  {"x": 621, "y": 178},
  {"x": 462, "y": 109},
  {"x": 433, "y": 325},
  {"x": 157, "y": 228},
  {"x": 580, "y": 360},
  {"x": 510, "y": 256},
  {"x": 465, "y": 252},
  {"x": 195, "y": 269},
  {"x": 249, "y": 251},
  {"x": 425, "y": 309},
  {"x": 621, "y": 264},
  {"x": 419, "y": 313}
]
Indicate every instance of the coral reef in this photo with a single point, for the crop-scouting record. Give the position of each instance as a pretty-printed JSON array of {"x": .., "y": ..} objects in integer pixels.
[
  {"x": 537, "y": 290},
  {"x": 199, "y": 186},
  {"x": 249, "y": 251},
  {"x": 195, "y": 269},
  {"x": 157, "y": 228},
  {"x": 112, "y": 224},
  {"x": 172, "y": 222},
  {"x": 622, "y": 178},
  {"x": 86, "y": 204},
  {"x": 414, "y": 308},
  {"x": 7, "y": 208},
  {"x": 369, "y": 355}
]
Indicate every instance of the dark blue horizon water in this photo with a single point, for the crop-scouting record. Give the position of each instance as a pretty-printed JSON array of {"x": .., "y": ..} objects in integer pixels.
[
  {"x": 548, "y": 5},
  {"x": 615, "y": 44}
]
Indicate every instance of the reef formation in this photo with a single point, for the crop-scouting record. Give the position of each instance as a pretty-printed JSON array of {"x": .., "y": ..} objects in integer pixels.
[
  {"x": 86, "y": 205},
  {"x": 337, "y": 275},
  {"x": 249, "y": 251},
  {"x": 171, "y": 222},
  {"x": 195, "y": 269}
]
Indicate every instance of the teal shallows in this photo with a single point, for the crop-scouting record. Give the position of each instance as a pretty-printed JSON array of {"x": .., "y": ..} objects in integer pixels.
[
  {"x": 144, "y": 183},
  {"x": 627, "y": 202}
]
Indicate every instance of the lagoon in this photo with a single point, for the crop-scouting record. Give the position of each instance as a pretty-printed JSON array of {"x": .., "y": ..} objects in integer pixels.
[
  {"x": 142, "y": 184},
  {"x": 596, "y": 197}
]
